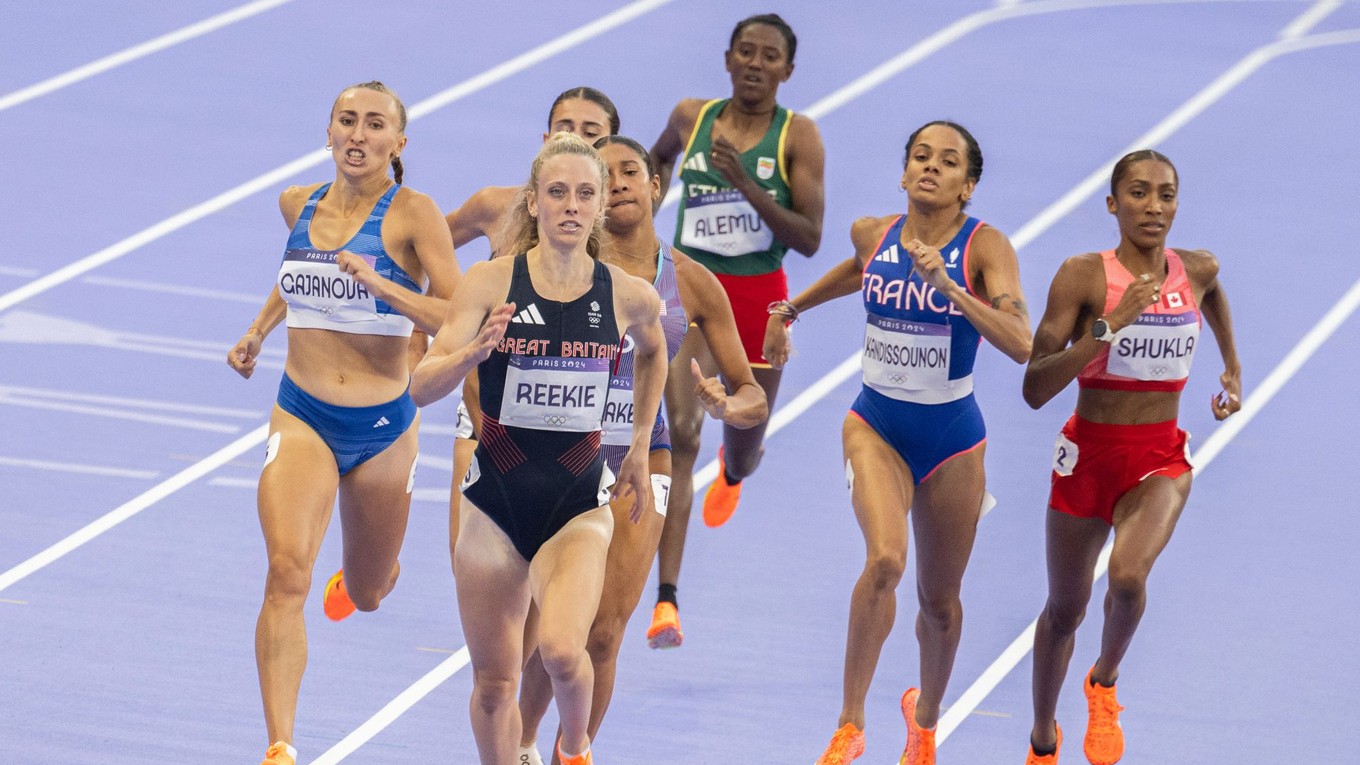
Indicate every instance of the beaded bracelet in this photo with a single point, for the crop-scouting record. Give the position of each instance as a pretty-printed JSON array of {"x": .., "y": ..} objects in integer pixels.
[{"x": 782, "y": 308}]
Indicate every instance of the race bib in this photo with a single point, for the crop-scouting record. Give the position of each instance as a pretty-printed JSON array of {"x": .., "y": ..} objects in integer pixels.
[
  {"x": 1065, "y": 455},
  {"x": 555, "y": 393},
  {"x": 309, "y": 281},
  {"x": 618, "y": 413},
  {"x": 724, "y": 223},
  {"x": 905, "y": 355},
  {"x": 1158, "y": 346}
]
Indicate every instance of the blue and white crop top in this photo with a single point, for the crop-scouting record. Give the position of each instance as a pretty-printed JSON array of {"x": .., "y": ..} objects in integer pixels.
[
  {"x": 320, "y": 296},
  {"x": 918, "y": 346}
]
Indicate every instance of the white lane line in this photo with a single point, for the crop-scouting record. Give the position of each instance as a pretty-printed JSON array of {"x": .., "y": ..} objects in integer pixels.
[
  {"x": 135, "y": 403},
  {"x": 1297, "y": 357},
  {"x": 227, "y": 198},
  {"x": 954, "y": 716},
  {"x": 440, "y": 496},
  {"x": 432, "y": 495},
  {"x": 215, "y": 356},
  {"x": 234, "y": 483},
  {"x": 134, "y": 506},
  {"x": 431, "y": 461},
  {"x": 29, "y": 327},
  {"x": 119, "y": 414},
  {"x": 172, "y": 289},
  {"x": 438, "y": 429},
  {"x": 1187, "y": 111},
  {"x": 73, "y": 467},
  {"x": 12, "y": 271},
  {"x": 1310, "y": 18},
  {"x": 128, "y": 55},
  {"x": 394, "y": 709}
]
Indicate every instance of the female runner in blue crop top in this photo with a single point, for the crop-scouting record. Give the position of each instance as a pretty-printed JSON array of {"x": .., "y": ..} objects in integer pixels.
[{"x": 349, "y": 287}]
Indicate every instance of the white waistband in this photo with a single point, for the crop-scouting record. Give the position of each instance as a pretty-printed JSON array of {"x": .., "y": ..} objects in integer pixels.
[{"x": 955, "y": 390}]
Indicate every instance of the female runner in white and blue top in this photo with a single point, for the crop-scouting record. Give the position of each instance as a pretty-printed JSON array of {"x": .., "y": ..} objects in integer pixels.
[
  {"x": 349, "y": 287},
  {"x": 933, "y": 281}
]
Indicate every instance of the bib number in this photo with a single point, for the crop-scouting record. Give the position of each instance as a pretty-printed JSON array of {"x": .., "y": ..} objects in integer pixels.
[
  {"x": 724, "y": 223},
  {"x": 1157, "y": 346},
  {"x": 1064, "y": 456},
  {"x": 555, "y": 393},
  {"x": 905, "y": 355},
  {"x": 310, "y": 279}
]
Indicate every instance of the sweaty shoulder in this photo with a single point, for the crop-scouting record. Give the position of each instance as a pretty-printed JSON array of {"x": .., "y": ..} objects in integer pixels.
[
  {"x": 292, "y": 199},
  {"x": 409, "y": 202},
  {"x": 1200, "y": 265},
  {"x": 1081, "y": 276},
  {"x": 1085, "y": 264},
  {"x": 987, "y": 234},
  {"x": 803, "y": 133},
  {"x": 867, "y": 232},
  {"x": 686, "y": 114},
  {"x": 488, "y": 279},
  {"x": 988, "y": 240}
]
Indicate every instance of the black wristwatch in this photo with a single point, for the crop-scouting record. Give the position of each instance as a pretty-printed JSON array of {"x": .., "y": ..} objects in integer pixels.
[{"x": 1100, "y": 330}]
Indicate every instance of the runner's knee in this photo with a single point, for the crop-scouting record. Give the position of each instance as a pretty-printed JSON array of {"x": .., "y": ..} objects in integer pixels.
[{"x": 884, "y": 569}]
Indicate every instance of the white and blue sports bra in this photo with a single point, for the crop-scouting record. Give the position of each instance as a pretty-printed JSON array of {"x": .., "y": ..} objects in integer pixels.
[{"x": 320, "y": 296}]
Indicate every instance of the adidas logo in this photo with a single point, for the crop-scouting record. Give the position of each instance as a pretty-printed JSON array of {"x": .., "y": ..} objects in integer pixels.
[
  {"x": 954, "y": 257},
  {"x": 381, "y": 422},
  {"x": 696, "y": 163},
  {"x": 889, "y": 255},
  {"x": 529, "y": 315}
]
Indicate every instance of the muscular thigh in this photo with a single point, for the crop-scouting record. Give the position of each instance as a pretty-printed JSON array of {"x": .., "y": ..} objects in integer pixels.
[
  {"x": 493, "y": 592},
  {"x": 297, "y": 486},
  {"x": 945, "y": 518},
  {"x": 880, "y": 487},
  {"x": 375, "y": 500},
  {"x": 566, "y": 577},
  {"x": 1145, "y": 518}
]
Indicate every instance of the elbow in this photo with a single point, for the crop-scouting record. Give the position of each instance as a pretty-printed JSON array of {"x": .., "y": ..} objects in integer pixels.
[
  {"x": 1021, "y": 352},
  {"x": 1033, "y": 396},
  {"x": 420, "y": 395},
  {"x": 422, "y": 392},
  {"x": 810, "y": 243}
]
